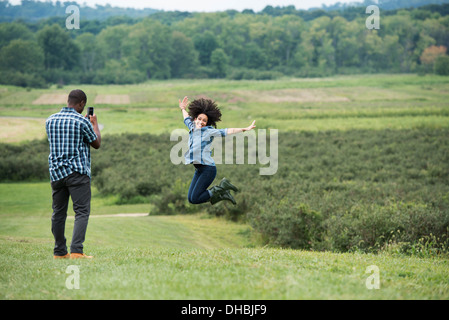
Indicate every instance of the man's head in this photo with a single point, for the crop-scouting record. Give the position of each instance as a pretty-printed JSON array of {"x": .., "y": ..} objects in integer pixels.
[{"x": 77, "y": 100}]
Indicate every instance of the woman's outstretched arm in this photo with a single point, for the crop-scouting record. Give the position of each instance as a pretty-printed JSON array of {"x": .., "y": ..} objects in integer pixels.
[
  {"x": 238, "y": 130},
  {"x": 183, "y": 105}
]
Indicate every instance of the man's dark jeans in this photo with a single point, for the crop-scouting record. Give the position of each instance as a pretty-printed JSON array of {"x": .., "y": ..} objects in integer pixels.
[{"x": 76, "y": 186}]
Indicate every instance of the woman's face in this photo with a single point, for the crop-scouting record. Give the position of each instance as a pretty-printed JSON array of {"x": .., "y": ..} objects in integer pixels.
[{"x": 201, "y": 121}]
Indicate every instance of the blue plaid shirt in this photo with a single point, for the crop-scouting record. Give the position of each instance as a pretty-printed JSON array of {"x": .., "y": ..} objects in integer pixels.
[
  {"x": 69, "y": 134},
  {"x": 200, "y": 143}
]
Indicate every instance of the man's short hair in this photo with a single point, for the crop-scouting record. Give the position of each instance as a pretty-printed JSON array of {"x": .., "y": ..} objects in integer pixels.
[{"x": 76, "y": 96}]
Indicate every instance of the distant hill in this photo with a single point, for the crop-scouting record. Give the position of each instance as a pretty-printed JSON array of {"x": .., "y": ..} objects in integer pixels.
[
  {"x": 32, "y": 11},
  {"x": 383, "y": 4}
]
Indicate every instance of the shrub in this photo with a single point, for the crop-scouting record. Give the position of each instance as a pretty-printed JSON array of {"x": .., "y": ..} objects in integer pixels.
[
  {"x": 372, "y": 227},
  {"x": 288, "y": 224},
  {"x": 25, "y": 162},
  {"x": 173, "y": 200},
  {"x": 20, "y": 79},
  {"x": 338, "y": 190},
  {"x": 253, "y": 74},
  {"x": 442, "y": 65}
]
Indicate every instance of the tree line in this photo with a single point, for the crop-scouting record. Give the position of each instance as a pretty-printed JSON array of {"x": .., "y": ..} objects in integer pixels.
[
  {"x": 34, "y": 10},
  {"x": 223, "y": 44},
  {"x": 30, "y": 10}
]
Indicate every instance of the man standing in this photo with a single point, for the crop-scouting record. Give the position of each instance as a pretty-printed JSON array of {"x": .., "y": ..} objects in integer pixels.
[{"x": 70, "y": 136}]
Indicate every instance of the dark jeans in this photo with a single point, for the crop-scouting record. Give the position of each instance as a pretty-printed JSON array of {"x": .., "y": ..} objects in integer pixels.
[
  {"x": 77, "y": 186},
  {"x": 203, "y": 177}
]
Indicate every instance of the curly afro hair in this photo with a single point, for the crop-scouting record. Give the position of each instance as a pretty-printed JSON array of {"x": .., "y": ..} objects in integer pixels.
[{"x": 207, "y": 107}]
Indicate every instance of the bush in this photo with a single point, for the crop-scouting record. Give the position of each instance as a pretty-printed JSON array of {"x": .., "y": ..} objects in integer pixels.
[
  {"x": 252, "y": 74},
  {"x": 442, "y": 66},
  {"x": 173, "y": 200},
  {"x": 288, "y": 223},
  {"x": 115, "y": 73},
  {"x": 60, "y": 76},
  {"x": 20, "y": 79},
  {"x": 372, "y": 227},
  {"x": 27, "y": 162},
  {"x": 350, "y": 190}
]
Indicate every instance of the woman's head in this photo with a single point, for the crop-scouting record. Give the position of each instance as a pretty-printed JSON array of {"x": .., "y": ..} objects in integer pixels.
[{"x": 205, "y": 110}]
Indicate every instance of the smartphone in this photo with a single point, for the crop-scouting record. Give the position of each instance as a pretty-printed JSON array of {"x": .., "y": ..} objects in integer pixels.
[{"x": 90, "y": 111}]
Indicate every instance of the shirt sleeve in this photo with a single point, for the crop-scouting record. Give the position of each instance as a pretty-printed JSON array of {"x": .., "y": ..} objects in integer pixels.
[
  {"x": 189, "y": 123},
  {"x": 217, "y": 132},
  {"x": 89, "y": 133}
]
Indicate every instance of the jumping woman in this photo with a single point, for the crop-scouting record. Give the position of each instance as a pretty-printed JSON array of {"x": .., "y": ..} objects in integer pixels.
[{"x": 201, "y": 120}]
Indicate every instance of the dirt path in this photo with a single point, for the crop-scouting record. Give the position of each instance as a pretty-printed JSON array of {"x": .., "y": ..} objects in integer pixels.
[
  {"x": 112, "y": 99},
  {"x": 118, "y": 215},
  {"x": 51, "y": 98}
]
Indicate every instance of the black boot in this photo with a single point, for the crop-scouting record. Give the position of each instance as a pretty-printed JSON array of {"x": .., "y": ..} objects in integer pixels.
[
  {"x": 220, "y": 194},
  {"x": 225, "y": 184}
]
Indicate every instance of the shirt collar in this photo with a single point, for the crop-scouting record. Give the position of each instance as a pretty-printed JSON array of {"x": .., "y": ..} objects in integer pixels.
[{"x": 67, "y": 109}]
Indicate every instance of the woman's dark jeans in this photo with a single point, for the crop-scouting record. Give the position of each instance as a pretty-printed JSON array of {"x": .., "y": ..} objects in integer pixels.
[{"x": 202, "y": 179}]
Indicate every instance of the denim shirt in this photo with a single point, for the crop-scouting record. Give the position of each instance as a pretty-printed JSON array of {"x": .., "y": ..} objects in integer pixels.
[{"x": 200, "y": 143}]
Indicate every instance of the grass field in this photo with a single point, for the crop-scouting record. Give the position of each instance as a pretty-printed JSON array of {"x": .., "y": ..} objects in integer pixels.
[
  {"x": 199, "y": 256},
  {"x": 190, "y": 257},
  {"x": 338, "y": 103}
]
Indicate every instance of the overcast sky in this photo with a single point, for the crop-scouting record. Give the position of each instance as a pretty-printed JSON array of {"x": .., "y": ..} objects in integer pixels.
[{"x": 204, "y": 5}]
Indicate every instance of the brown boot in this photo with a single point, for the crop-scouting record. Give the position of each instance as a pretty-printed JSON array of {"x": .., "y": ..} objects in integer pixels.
[
  {"x": 80, "y": 256},
  {"x": 62, "y": 257}
]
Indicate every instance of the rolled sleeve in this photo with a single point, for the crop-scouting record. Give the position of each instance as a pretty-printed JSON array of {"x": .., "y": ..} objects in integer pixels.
[
  {"x": 189, "y": 123},
  {"x": 217, "y": 132},
  {"x": 89, "y": 133}
]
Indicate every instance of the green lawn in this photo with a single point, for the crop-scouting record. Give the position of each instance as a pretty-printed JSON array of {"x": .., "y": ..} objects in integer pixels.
[
  {"x": 135, "y": 271},
  {"x": 188, "y": 257}
]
